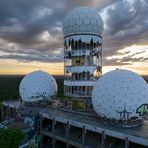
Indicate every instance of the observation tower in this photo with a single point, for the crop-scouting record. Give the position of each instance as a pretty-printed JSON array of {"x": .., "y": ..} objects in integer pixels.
[{"x": 82, "y": 28}]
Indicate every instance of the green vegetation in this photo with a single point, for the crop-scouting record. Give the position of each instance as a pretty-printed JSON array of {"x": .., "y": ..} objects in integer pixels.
[
  {"x": 9, "y": 87},
  {"x": 143, "y": 109},
  {"x": 60, "y": 83},
  {"x": 10, "y": 138}
]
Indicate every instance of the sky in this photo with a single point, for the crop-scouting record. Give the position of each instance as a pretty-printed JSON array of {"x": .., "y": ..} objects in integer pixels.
[{"x": 31, "y": 35}]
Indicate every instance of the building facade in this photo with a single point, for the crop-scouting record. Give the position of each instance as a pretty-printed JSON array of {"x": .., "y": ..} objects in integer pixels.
[{"x": 82, "y": 29}]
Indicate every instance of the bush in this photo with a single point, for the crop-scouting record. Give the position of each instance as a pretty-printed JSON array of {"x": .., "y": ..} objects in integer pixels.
[{"x": 10, "y": 138}]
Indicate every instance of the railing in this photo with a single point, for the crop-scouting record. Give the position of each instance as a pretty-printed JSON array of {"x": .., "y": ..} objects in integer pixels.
[
  {"x": 83, "y": 68},
  {"x": 77, "y": 52},
  {"x": 76, "y": 95},
  {"x": 79, "y": 83}
]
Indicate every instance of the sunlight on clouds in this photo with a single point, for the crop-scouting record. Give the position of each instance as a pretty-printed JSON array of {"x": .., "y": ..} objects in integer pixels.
[
  {"x": 134, "y": 51},
  {"x": 45, "y": 36},
  {"x": 133, "y": 58}
]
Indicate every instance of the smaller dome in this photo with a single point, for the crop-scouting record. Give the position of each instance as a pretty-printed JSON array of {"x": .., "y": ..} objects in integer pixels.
[
  {"x": 119, "y": 94},
  {"x": 37, "y": 86},
  {"x": 83, "y": 20}
]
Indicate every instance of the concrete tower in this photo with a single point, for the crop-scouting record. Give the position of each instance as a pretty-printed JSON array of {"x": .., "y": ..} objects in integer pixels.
[{"x": 82, "y": 29}]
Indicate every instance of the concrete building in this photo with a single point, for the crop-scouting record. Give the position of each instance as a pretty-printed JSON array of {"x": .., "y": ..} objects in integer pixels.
[
  {"x": 82, "y": 28},
  {"x": 59, "y": 127}
]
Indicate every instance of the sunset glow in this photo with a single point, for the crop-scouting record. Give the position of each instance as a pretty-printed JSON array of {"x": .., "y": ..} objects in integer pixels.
[{"x": 32, "y": 38}]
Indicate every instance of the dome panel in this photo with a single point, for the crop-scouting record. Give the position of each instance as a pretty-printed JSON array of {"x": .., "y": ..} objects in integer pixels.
[
  {"x": 118, "y": 94},
  {"x": 37, "y": 86},
  {"x": 85, "y": 16},
  {"x": 86, "y": 21}
]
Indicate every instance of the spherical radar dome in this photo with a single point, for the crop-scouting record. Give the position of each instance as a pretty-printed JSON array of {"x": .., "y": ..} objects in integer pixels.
[
  {"x": 37, "y": 86},
  {"x": 83, "y": 20},
  {"x": 118, "y": 94}
]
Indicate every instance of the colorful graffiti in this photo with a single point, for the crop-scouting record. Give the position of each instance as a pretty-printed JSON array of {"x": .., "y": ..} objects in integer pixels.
[
  {"x": 30, "y": 122},
  {"x": 34, "y": 142},
  {"x": 142, "y": 110}
]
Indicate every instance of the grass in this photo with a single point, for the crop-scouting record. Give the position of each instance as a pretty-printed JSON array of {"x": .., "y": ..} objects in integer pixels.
[{"x": 9, "y": 86}]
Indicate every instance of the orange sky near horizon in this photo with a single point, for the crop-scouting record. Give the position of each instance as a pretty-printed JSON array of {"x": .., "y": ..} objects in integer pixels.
[
  {"x": 32, "y": 38},
  {"x": 123, "y": 58},
  {"x": 13, "y": 67}
]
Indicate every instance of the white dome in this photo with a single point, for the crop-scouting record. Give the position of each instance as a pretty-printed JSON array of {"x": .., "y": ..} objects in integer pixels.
[
  {"x": 119, "y": 91},
  {"x": 37, "y": 86},
  {"x": 83, "y": 20}
]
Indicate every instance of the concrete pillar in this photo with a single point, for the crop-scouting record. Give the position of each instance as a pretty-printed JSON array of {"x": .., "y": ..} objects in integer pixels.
[
  {"x": 67, "y": 134},
  {"x": 126, "y": 142},
  {"x": 66, "y": 88},
  {"x": 70, "y": 89},
  {"x": 83, "y": 136},
  {"x": 85, "y": 90},
  {"x": 88, "y": 90},
  {"x": 53, "y": 132},
  {"x": 85, "y": 63},
  {"x": 73, "y": 89},
  {"x": 103, "y": 140}
]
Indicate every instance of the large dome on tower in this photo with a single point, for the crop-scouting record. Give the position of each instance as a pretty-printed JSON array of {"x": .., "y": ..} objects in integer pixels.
[
  {"x": 83, "y": 20},
  {"x": 37, "y": 86},
  {"x": 120, "y": 95}
]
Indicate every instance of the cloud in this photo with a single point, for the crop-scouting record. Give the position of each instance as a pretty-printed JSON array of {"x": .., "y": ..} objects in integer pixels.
[
  {"x": 31, "y": 30},
  {"x": 54, "y": 57},
  {"x": 126, "y": 25},
  {"x": 128, "y": 56}
]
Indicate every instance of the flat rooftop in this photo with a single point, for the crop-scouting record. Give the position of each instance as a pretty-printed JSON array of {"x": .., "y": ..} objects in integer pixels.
[
  {"x": 137, "y": 135},
  {"x": 91, "y": 122}
]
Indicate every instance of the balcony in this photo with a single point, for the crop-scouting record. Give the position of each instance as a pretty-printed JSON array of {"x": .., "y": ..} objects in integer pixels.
[
  {"x": 83, "y": 96},
  {"x": 78, "y": 69},
  {"x": 79, "y": 83},
  {"x": 82, "y": 52}
]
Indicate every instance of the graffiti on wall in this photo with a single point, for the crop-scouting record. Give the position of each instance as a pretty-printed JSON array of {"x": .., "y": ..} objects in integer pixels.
[
  {"x": 29, "y": 122},
  {"x": 142, "y": 110}
]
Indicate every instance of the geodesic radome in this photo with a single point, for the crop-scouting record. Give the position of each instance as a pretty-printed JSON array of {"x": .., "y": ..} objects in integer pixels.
[
  {"x": 83, "y": 20},
  {"x": 120, "y": 95},
  {"x": 37, "y": 86}
]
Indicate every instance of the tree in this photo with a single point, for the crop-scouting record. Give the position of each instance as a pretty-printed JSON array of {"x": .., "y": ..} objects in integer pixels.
[{"x": 10, "y": 137}]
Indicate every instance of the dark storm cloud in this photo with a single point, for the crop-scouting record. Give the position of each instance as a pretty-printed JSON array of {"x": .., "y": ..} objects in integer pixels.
[
  {"x": 22, "y": 22},
  {"x": 124, "y": 15},
  {"x": 32, "y": 58},
  {"x": 127, "y": 24}
]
